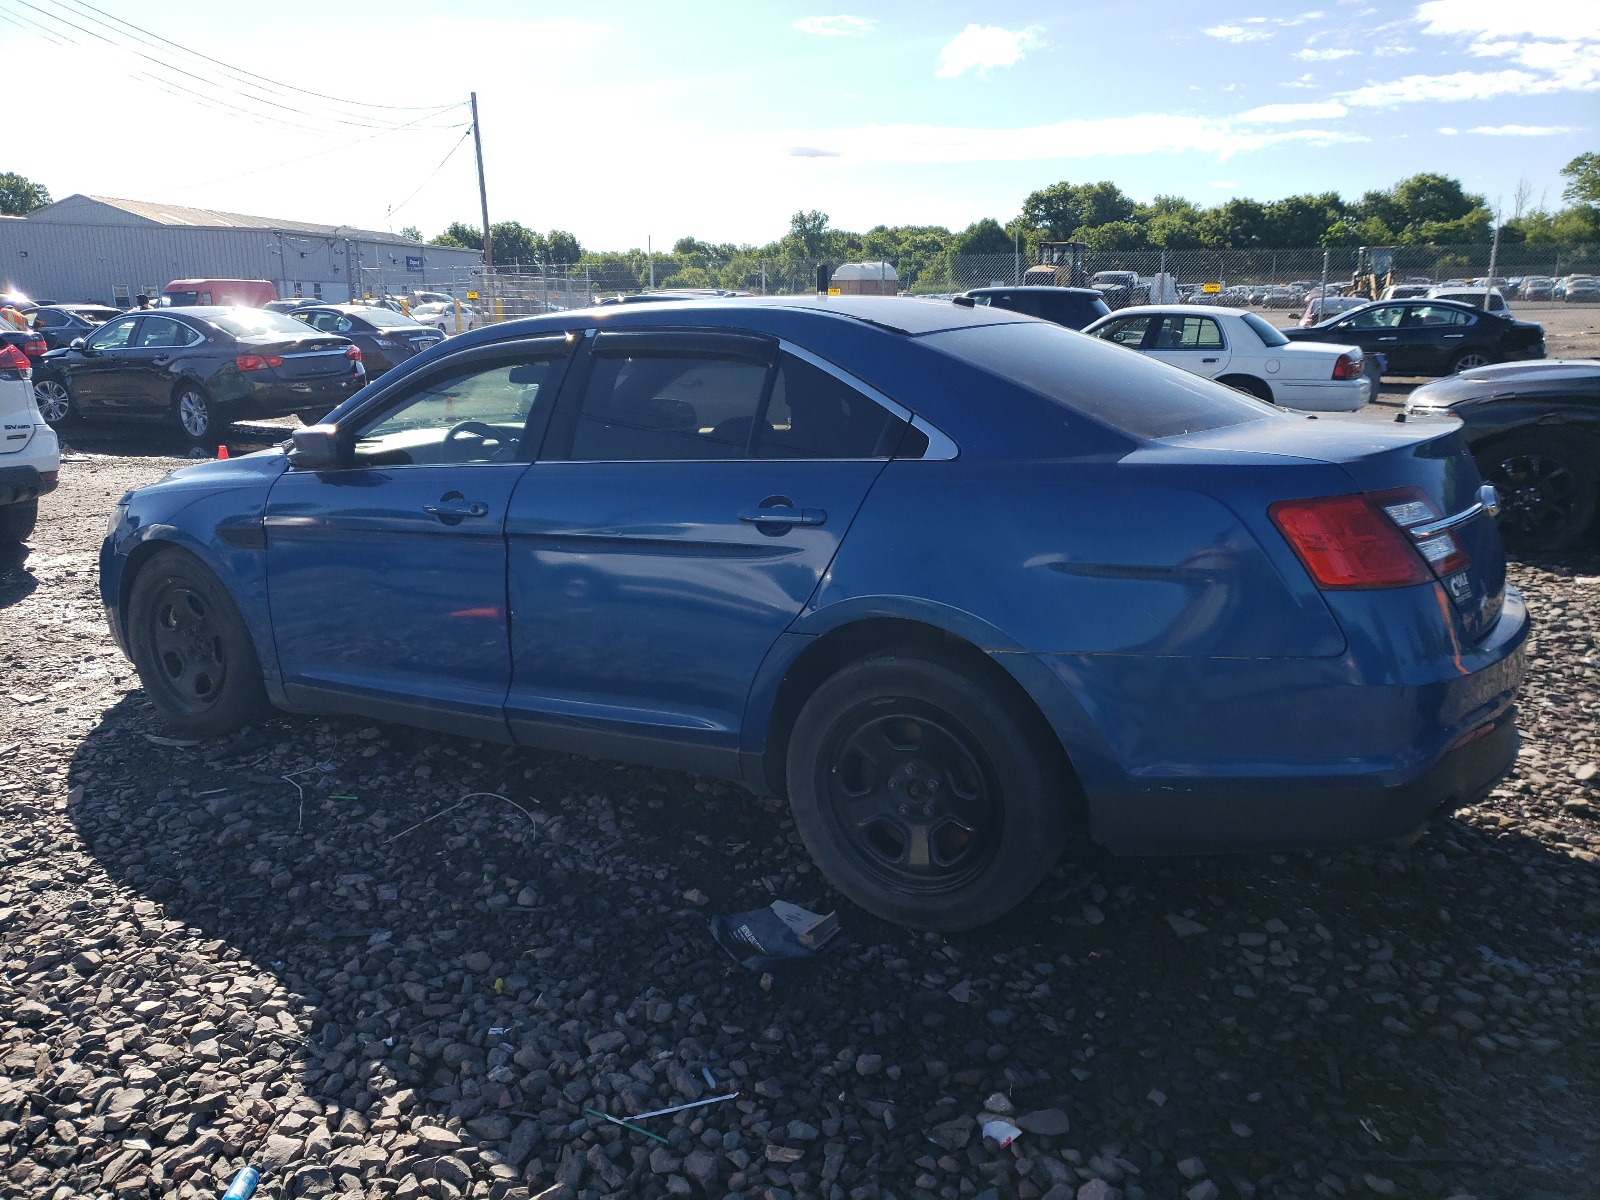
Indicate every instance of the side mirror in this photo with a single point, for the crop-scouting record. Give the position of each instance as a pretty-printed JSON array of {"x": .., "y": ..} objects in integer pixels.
[
  {"x": 75, "y": 344},
  {"x": 314, "y": 448}
]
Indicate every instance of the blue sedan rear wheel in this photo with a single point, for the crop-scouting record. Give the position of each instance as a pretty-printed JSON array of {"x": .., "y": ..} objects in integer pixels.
[{"x": 925, "y": 795}]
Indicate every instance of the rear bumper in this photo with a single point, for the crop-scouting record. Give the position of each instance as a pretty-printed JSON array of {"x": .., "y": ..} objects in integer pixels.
[
  {"x": 20, "y": 484},
  {"x": 1193, "y": 755},
  {"x": 279, "y": 398},
  {"x": 1334, "y": 395}
]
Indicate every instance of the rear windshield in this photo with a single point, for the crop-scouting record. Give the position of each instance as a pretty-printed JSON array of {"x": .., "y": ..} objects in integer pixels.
[
  {"x": 242, "y": 322},
  {"x": 1269, "y": 334},
  {"x": 383, "y": 318},
  {"x": 1121, "y": 387}
]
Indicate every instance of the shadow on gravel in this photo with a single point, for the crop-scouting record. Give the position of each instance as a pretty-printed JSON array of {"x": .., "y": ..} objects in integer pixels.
[
  {"x": 16, "y": 581},
  {"x": 443, "y": 1001}
]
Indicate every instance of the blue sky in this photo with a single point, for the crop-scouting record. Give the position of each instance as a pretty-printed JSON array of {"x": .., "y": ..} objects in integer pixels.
[{"x": 640, "y": 118}]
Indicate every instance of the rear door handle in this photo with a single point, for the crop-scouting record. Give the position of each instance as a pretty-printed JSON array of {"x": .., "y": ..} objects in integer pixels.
[
  {"x": 1208, "y": 360},
  {"x": 782, "y": 516},
  {"x": 1393, "y": 337},
  {"x": 1455, "y": 335}
]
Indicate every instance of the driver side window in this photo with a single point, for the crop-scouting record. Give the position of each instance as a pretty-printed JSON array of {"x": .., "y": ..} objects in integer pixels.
[
  {"x": 1384, "y": 317},
  {"x": 474, "y": 416},
  {"x": 113, "y": 336}
]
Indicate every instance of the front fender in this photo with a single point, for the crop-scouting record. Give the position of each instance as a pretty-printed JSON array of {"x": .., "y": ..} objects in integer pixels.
[{"x": 214, "y": 511}]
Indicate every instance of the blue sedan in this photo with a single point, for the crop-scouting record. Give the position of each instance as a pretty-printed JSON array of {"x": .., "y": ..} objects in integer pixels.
[{"x": 960, "y": 584}]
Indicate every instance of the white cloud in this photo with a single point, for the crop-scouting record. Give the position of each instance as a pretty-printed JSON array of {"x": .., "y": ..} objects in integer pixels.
[
  {"x": 1237, "y": 33},
  {"x": 811, "y": 152},
  {"x": 983, "y": 47},
  {"x": 1151, "y": 133},
  {"x": 1523, "y": 130},
  {"x": 1320, "y": 111},
  {"x": 1447, "y": 131},
  {"x": 1462, "y": 85},
  {"x": 1392, "y": 51},
  {"x": 839, "y": 26},
  {"x": 1322, "y": 55},
  {"x": 1559, "y": 20}
]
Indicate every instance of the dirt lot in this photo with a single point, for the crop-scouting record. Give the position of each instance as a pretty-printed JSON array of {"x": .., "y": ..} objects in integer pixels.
[{"x": 250, "y": 951}]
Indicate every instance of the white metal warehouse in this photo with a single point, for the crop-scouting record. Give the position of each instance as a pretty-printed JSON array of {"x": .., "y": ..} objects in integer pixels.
[{"x": 101, "y": 249}]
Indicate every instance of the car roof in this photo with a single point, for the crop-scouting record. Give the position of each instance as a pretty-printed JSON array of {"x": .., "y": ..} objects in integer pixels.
[
  {"x": 1044, "y": 289},
  {"x": 1187, "y": 310},
  {"x": 911, "y": 315}
]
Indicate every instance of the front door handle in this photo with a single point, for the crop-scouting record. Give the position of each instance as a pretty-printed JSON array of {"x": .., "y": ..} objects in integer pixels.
[
  {"x": 452, "y": 510},
  {"x": 1208, "y": 360},
  {"x": 1455, "y": 335},
  {"x": 1393, "y": 337},
  {"x": 782, "y": 516}
]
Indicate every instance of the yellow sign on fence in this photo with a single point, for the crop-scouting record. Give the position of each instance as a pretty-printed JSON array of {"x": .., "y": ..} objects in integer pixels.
[
  {"x": 472, "y": 295},
  {"x": 1211, "y": 289}
]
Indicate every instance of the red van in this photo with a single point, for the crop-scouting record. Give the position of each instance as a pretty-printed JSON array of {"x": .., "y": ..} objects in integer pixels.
[{"x": 252, "y": 293}]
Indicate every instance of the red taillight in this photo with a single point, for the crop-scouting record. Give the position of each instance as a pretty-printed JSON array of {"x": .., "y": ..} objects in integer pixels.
[
  {"x": 1347, "y": 367},
  {"x": 1347, "y": 542},
  {"x": 353, "y": 353},
  {"x": 257, "y": 362},
  {"x": 12, "y": 359},
  {"x": 34, "y": 347}
]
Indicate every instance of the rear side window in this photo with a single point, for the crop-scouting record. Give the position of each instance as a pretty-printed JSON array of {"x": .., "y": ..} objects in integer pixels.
[
  {"x": 1188, "y": 333},
  {"x": 1437, "y": 314},
  {"x": 1129, "y": 331},
  {"x": 663, "y": 408},
  {"x": 812, "y": 414},
  {"x": 1137, "y": 395},
  {"x": 1269, "y": 334}
]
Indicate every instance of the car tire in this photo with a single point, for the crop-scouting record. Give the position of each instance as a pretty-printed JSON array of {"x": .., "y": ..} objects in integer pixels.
[
  {"x": 1548, "y": 487},
  {"x": 1250, "y": 386},
  {"x": 192, "y": 649},
  {"x": 54, "y": 399},
  {"x": 194, "y": 415},
  {"x": 1468, "y": 359},
  {"x": 925, "y": 794},
  {"x": 17, "y": 522}
]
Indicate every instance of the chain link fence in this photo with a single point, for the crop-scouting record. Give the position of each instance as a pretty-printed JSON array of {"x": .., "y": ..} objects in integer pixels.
[{"x": 1256, "y": 277}]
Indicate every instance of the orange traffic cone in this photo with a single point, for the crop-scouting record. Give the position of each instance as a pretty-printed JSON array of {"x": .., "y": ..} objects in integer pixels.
[{"x": 222, "y": 452}]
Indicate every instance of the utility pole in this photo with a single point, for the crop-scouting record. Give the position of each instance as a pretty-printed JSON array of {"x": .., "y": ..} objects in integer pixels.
[
  {"x": 483, "y": 196},
  {"x": 1494, "y": 254},
  {"x": 650, "y": 255}
]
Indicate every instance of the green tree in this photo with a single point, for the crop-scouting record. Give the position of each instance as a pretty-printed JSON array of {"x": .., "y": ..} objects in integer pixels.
[
  {"x": 20, "y": 196},
  {"x": 982, "y": 237},
  {"x": 807, "y": 237},
  {"x": 1063, "y": 208},
  {"x": 1583, "y": 171},
  {"x": 1236, "y": 223},
  {"x": 411, "y": 233},
  {"x": 514, "y": 242},
  {"x": 1170, "y": 222},
  {"x": 562, "y": 248},
  {"x": 1301, "y": 220},
  {"x": 1113, "y": 235},
  {"x": 459, "y": 233}
]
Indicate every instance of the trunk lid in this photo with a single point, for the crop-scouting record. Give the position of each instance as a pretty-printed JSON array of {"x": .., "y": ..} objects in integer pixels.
[
  {"x": 1383, "y": 456},
  {"x": 304, "y": 358}
]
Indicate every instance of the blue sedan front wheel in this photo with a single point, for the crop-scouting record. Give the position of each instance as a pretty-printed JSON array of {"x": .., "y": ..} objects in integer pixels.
[{"x": 925, "y": 795}]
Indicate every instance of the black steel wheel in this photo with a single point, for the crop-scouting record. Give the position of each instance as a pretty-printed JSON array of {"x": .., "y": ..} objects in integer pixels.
[
  {"x": 1547, "y": 485},
  {"x": 191, "y": 648},
  {"x": 17, "y": 522},
  {"x": 929, "y": 797}
]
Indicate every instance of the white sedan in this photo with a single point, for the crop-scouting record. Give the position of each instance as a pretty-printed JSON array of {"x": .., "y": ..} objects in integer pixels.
[
  {"x": 1239, "y": 348},
  {"x": 443, "y": 316}
]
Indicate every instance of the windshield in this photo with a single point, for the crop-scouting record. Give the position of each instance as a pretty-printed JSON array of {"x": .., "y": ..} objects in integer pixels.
[
  {"x": 1269, "y": 334},
  {"x": 243, "y": 322},
  {"x": 1139, "y": 396}
]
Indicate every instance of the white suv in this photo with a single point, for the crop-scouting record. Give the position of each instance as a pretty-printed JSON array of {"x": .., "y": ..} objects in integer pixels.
[{"x": 30, "y": 456}]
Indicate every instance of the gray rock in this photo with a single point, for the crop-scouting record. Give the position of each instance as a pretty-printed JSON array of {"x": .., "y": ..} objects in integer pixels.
[{"x": 1045, "y": 1122}]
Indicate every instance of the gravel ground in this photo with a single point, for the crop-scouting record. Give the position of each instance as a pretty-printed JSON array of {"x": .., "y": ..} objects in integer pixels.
[{"x": 204, "y": 964}]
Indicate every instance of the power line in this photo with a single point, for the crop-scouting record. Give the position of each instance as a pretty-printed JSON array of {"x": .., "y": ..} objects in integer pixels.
[
  {"x": 189, "y": 75},
  {"x": 241, "y": 71},
  {"x": 304, "y": 157},
  {"x": 434, "y": 173}
]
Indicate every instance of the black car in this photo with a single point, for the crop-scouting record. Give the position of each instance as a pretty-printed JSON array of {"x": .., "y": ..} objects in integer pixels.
[
  {"x": 200, "y": 369},
  {"x": 386, "y": 338},
  {"x": 1535, "y": 430},
  {"x": 1072, "y": 307},
  {"x": 60, "y": 324},
  {"x": 1429, "y": 337}
]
